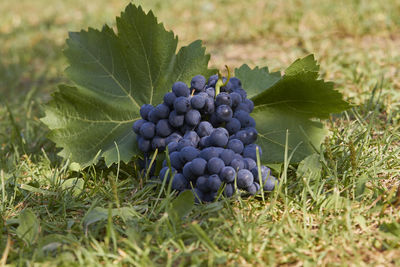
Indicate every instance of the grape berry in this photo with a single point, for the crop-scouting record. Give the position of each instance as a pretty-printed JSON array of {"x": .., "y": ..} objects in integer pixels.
[{"x": 210, "y": 139}]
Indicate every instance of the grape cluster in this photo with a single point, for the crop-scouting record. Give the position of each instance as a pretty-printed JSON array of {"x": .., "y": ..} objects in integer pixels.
[{"x": 210, "y": 137}]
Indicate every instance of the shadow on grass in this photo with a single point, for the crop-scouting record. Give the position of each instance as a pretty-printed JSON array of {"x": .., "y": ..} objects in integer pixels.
[{"x": 27, "y": 76}]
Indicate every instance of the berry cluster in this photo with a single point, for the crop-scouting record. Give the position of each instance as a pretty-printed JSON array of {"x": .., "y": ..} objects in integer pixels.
[{"x": 210, "y": 137}]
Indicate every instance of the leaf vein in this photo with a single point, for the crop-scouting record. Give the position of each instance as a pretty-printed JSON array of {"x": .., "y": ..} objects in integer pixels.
[
  {"x": 147, "y": 63},
  {"x": 94, "y": 121},
  {"x": 112, "y": 77}
]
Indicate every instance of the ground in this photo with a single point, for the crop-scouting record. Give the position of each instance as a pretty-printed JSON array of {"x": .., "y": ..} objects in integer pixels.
[{"x": 342, "y": 211}]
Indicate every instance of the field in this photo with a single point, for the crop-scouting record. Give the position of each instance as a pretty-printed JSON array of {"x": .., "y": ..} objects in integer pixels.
[{"x": 342, "y": 208}]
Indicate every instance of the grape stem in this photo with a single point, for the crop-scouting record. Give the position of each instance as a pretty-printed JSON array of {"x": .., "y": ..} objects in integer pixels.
[{"x": 220, "y": 82}]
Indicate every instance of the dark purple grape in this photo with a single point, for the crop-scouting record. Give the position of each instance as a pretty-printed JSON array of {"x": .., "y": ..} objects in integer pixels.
[
  {"x": 179, "y": 182},
  {"x": 237, "y": 164},
  {"x": 209, "y": 107},
  {"x": 242, "y": 136},
  {"x": 163, "y": 128},
  {"x": 228, "y": 174},
  {"x": 218, "y": 138},
  {"x": 236, "y": 145},
  {"x": 244, "y": 178},
  {"x": 249, "y": 104},
  {"x": 174, "y": 137},
  {"x": 243, "y": 117},
  {"x": 215, "y": 121},
  {"x": 208, "y": 153},
  {"x": 251, "y": 135},
  {"x": 210, "y": 92},
  {"x": 214, "y": 182},
  {"x": 270, "y": 183},
  {"x": 250, "y": 164},
  {"x": 229, "y": 190},
  {"x": 223, "y": 88},
  {"x": 163, "y": 173},
  {"x": 143, "y": 144},
  {"x": 187, "y": 172},
  {"x": 198, "y": 195},
  {"x": 224, "y": 113},
  {"x": 176, "y": 161},
  {"x": 169, "y": 99},
  {"x": 225, "y": 131},
  {"x": 198, "y": 82},
  {"x": 193, "y": 137},
  {"x": 184, "y": 143},
  {"x": 203, "y": 94},
  {"x": 137, "y": 124},
  {"x": 144, "y": 110},
  {"x": 243, "y": 107},
  {"x": 162, "y": 111},
  {"x": 180, "y": 89},
  {"x": 238, "y": 156},
  {"x": 253, "y": 188},
  {"x": 158, "y": 142},
  {"x": 219, "y": 150},
  {"x": 181, "y": 105},
  {"x": 212, "y": 80},
  {"x": 204, "y": 129},
  {"x": 193, "y": 117},
  {"x": 241, "y": 92},
  {"x": 233, "y": 84},
  {"x": 188, "y": 153},
  {"x": 198, "y": 101},
  {"x": 202, "y": 184},
  {"x": 215, "y": 165},
  {"x": 233, "y": 126},
  {"x": 176, "y": 120},
  {"x": 250, "y": 123},
  {"x": 249, "y": 151},
  {"x": 227, "y": 156},
  {"x": 223, "y": 99},
  {"x": 204, "y": 142},
  {"x": 152, "y": 116},
  {"x": 265, "y": 172},
  {"x": 172, "y": 146},
  {"x": 186, "y": 128},
  {"x": 198, "y": 166},
  {"x": 236, "y": 99},
  {"x": 147, "y": 130},
  {"x": 209, "y": 197}
]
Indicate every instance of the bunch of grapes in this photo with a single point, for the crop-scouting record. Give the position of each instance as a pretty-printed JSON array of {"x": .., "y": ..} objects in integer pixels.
[{"x": 210, "y": 137}]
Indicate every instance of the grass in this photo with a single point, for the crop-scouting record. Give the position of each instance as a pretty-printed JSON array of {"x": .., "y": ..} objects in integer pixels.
[{"x": 341, "y": 207}]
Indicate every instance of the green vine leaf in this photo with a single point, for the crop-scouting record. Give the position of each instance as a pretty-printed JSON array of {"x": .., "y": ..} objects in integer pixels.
[
  {"x": 293, "y": 103},
  {"x": 300, "y": 90},
  {"x": 305, "y": 135},
  {"x": 256, "y": 80},
  {"x": 113, "y": 75}
]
